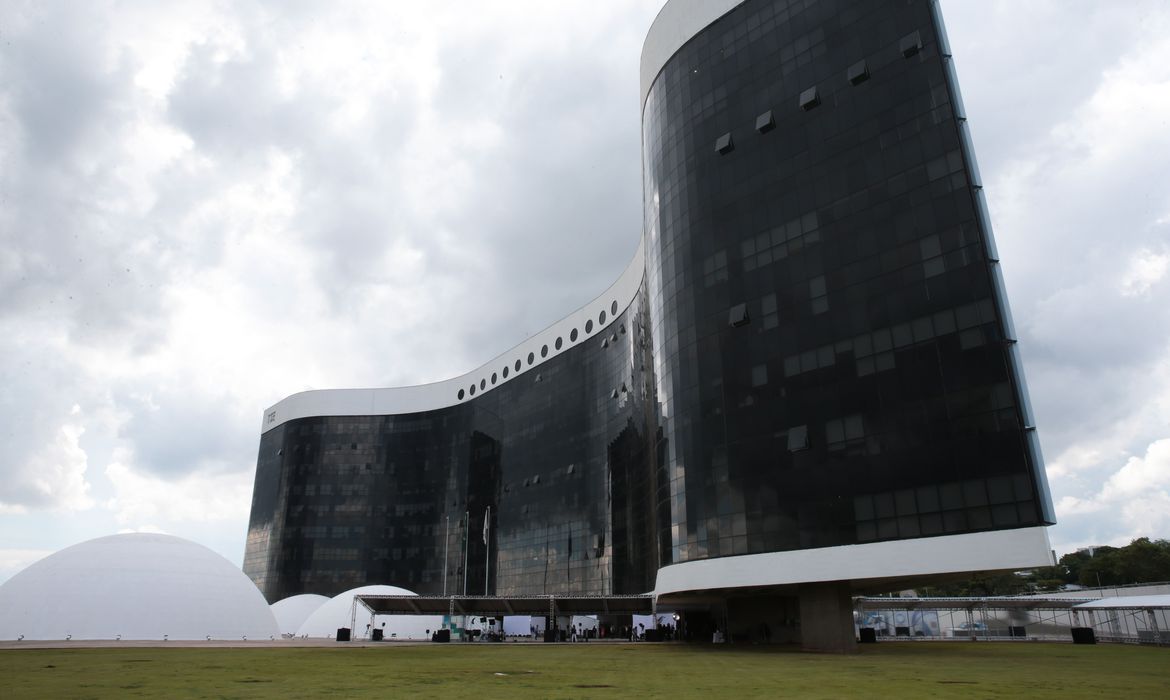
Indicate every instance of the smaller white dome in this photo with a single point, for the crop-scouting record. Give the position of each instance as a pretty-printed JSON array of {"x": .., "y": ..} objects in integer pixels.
[
  {"x": 292, "y": 612},
  {"x": 135, "y": 586},
  {"x": 339, "y": 612}
]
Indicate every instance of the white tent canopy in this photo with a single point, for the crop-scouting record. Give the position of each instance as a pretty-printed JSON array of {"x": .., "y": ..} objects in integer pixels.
[
  {"x": 1144, "y": 602},
  {"x": 340, "y": 612}
]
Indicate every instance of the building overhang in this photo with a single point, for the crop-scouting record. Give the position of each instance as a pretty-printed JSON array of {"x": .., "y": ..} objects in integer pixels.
[{"x": 870, "y": 568}]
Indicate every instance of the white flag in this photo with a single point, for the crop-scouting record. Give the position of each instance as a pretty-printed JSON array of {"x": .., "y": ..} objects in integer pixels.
[{"x": 486, "y": 523}]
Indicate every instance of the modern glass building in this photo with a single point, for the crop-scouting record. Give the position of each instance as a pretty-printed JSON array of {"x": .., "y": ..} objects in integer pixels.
[{"x": 805, "y": 385}]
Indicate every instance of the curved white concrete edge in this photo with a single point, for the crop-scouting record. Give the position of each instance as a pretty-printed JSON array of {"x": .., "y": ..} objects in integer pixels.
[
  {"x": 428, "y": 397},
  {"x": 1022, "y": 548},
  {"x": 676, "y": 23}
]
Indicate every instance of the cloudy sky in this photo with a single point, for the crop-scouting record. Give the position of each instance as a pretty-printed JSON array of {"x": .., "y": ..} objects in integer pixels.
[{"x": 206, "y": 207}]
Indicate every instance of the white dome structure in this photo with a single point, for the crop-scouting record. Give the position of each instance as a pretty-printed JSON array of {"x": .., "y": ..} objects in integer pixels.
[
  {"x": 339, "y": 612},
  {"x": 135, "y": 586},
  {"x": 292, "y": 612}
]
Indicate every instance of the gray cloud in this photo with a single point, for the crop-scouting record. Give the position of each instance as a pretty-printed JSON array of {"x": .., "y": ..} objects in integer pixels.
[
  {"x": 1068, "y": 106},
  {"x": 39, "y": 470},
  {"x": 180, "y": 424},
  {"x": 78, "y": 91},
  {"x": 1025, "y": 66},
  {"x": 70, "y": 243},
  {"x": 205, "y": 209}
]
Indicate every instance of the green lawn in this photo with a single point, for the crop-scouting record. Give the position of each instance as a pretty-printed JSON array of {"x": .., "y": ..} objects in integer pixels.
[{"x": 936, "y": 670}]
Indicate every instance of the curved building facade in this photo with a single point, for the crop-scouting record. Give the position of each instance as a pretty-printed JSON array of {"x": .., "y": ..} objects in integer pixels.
[
  {"x": 834, "y": 358},
  {"x": 804, "y": 385},
  {"x": 526, "y": 476}
]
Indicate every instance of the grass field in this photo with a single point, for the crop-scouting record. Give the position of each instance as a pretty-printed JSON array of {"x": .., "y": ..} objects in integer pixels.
[{"x": 937, "y": 670}]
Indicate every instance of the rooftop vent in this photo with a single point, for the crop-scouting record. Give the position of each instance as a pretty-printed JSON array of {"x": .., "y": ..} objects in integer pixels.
[
  {"x": 798, "y": 438},
  {"x": 911, "y": 44},
  {"x": 724, "y": 144},
  {"x": 765, "y": 122},
  {"x": 809, "y": 98},
  {"x": 858, "y": 73},
  {"x": 738, "y": 316}
]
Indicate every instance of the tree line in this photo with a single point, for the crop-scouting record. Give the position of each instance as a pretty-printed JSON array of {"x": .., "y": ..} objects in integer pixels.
[{"x": 1141, "y": 561}]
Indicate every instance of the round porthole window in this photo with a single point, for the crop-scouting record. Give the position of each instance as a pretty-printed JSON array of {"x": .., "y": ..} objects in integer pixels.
[
  {"x": 544, "y": 351},
  {"x": 482, "y": 383},
  {"x": 558, "y": 344},
  {"x": 531, "y": 358},
  {"x": 613, "y": 308},
  {"x": 493, "y": 377},
  {"x": 573, "y": 336},
  {"x": 461, "y": 394},
  {"x": 473, "y": 390},
  {"x": 588, "y": 327},
  {"x": 505, "y": 373},
  {"x": 517, "y": 365},
  {"x": 601, "y": 317}
]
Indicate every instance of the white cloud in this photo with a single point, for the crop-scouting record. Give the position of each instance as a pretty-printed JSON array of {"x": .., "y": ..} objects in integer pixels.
[
  {"x": 1071, "y": 505},
  {"x": 141, "y": 499},
  {"x": 1141, "y": 475},
  {"x": 1146, "y": 268},
  {"x": 60, "y": 470},
  {"x": 1134, "y": 500},
  {"x": 1104, "y": 493},
  {"x": 53, "y": 476},
  {"x": 143, "y": 528}
]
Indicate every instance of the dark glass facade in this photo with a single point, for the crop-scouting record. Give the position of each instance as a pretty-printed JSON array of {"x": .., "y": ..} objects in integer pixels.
[
  {"x": 833, "y": 365},
  {"x": 559, "y": 455},
  {"x": 819, "y": 355}
]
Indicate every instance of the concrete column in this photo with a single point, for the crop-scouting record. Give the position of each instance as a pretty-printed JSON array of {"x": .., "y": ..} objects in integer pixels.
[{"x": 826, "y": 618}]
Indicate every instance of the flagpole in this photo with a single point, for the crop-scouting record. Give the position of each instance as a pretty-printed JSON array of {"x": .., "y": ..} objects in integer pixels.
[
  {"x": 487, "y": 556},
  {"x": 467, "y": 516},
  {"x": 446, "y": 547}
]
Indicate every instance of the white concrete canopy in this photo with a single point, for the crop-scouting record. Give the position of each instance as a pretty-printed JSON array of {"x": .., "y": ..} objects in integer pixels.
[
  {"x": 134, "y": 586},
  {"x": 998, "y": 550}
]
